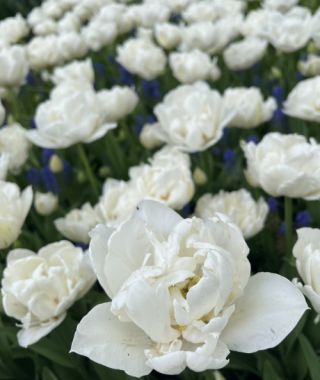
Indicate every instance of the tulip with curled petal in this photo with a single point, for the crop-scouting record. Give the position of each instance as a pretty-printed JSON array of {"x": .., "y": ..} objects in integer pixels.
[
  {"x": 303, "y": 102},
  {"x": 77, "y": 224},
  {"x": 73, "y": 114},
  {"x": 307, "y": 254},
  {"x": 189, "y": 67},
  {"x": 182, "y": 296},
  {"x": 245, "y": 53},
  {"x": 13, "y": 29},
  {"x": 239, "y": 206},
  {"x": 14, "y": 209},
  {"x": 38, "y": 288},
  {"x": 142, "y": 57},
  {"x": 168, "y": 35},
  {"x": 192, "y": 117},
  {"x": 118, "y": 102},
  {"x": 284, "y": 165},
  {"x": 250, "y": 110},
  {"x": 167, "y": 178}
]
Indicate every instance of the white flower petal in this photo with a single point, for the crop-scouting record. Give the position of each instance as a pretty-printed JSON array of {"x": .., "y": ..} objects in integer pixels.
[
  {"x": 149, "y": 308},
  {"x": 107, "y": 341},
  {"x": 31, "y": 335},
  {"x": 172, "y": 363},
  {"x": 98, "y": 251},
  {"x": 158, "y": 216},
  {"x": 269, "y": 309}
]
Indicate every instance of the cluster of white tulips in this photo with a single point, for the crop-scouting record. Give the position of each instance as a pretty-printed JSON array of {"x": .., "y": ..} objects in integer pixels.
[{"x": 160, "y": 187}]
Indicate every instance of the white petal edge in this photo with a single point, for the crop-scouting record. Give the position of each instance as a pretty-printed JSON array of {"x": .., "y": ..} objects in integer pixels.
[
  {"x": 269, "y": 309},
  {"x": 119, "y": 345},
  {"x": 98, "y": 250},
  {"x": 33, "y": 334}
]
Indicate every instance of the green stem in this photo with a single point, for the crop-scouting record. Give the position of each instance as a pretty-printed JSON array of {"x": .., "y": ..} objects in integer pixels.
[
  {"x": 288, "y": 223},
  {"x": 83, "y": 157}
]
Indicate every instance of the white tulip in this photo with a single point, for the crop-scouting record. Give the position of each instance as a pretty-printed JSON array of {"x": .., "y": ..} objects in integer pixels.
[
  {"x": 244, "y": 54},
  {"x": 284, "y": 165},
  {"x": 182, "y": 296},
  {"x": 207, "y": 10},
  {"x": 257, "y": 23},
  {"x": 13, "y": 29},
  {"x": 250, "y": 110},
  {"x": 291, "y": 31},
  {"x": 192, "y": 66},
  {"x": 4, "y": 164},
  {"x": 14, "y": 143},
  {"x": 45, "y": 203},
  {"x": 192, "y": 117},
  {"x": 118, "y": 102},
  {"x": 118, "y": 200},
  {"x": 69, "y": 23},
  {"x": 77, "y": 224},
  {"x": 307, "y": 254},
  {"x": 167, "y": 178},
  {"x": 43, "y": 52},
  {"x": 152, "y": 136},
  {"x": 76, "y": 71},
  {"x": 147, "y": 15},
  {"x": 168, "y": 35},
  {"x": 46, "y": 27},
  {"x": 37, "y": 289},
  {"x": 73, "y": 114},
  {"x": 280, "y": 5},
  {"x": 71, "y": 46},
  {"x": 311, "y": 66},
  {"x": 239, "y": 206},
  {"x": 13, "y": 66},
  {"x": 13, "y": 212},
  {"x": 303, "y": 101},
  {"x": 211, "y": 37},
  {"x": 97, "y": 34},
  {"x": 142, "y": 57}
]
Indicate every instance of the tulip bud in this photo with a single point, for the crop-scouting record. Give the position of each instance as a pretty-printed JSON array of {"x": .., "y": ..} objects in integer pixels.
[
  {"x": 199, "y": 176},
  {"x": 55, "y": 164},
  {"x": 45, "y": 203}
]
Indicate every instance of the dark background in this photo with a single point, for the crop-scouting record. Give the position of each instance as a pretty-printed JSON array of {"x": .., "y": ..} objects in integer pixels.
[{"x": 11, "y": 7}]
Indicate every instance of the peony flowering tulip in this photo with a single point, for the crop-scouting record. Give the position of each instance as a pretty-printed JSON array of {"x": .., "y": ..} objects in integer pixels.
[{"x": 182, "y": 295}]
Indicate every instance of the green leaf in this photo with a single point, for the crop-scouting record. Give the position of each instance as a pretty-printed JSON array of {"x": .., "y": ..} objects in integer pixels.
[
  {"x": 311, "y": 357},
  {"x": 47, "y": 374},
  {"x": 269, "y": 372},
  {"x": 243, "y": 363}
]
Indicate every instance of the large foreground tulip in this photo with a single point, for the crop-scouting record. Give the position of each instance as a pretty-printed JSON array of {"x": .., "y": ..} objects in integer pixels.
[{"x": 182, "y": 295}]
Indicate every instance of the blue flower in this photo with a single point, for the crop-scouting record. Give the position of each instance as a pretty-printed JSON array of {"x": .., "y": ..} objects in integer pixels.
[
  {"x": 34, "y": 176},
  {"x": 32, "y": 124},
  {"x": 99, "y": 69},
  {"x": 302, "y": 219},
  {"x": 151, "y": 88},
  {"x": 273, "y": 204},
  {"x": 46, "y": 154},
  {"x": 49, "y": 180},
  {"x": 125, "y": 76},
  {"x": 229, "y": 157},
  {"x": 30, "y": 79},
  {"x": 278, "y": 94},
  {"x": 254, "y": 138}
]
